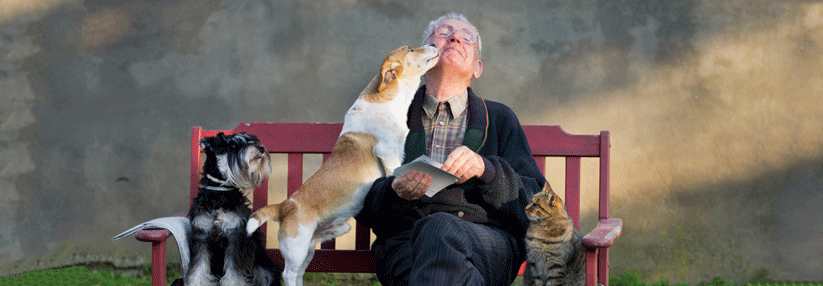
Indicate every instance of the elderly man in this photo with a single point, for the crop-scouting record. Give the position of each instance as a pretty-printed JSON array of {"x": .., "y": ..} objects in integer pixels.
[{"x": 470, "y": 233}]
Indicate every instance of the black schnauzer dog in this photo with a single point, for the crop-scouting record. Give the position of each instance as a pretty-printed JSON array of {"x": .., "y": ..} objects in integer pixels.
[{"x": 222, "y": 254}]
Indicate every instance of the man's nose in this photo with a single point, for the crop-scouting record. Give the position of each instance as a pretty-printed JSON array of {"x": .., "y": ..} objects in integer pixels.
[{"x": 454, "y": 37}]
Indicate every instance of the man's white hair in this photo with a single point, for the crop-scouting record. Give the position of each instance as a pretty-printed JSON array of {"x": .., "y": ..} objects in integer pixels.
[{"x": 453, "y": 16}]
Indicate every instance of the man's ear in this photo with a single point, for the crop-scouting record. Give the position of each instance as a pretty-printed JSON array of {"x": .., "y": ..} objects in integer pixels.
[
  {"x": 389, "y": 73},
  {"x": 478, "y": 69}
]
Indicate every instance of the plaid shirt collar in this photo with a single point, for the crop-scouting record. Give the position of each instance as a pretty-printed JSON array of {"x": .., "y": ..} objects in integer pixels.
[
  {"x": 476, "y": 129},
  {"x": 456, "y": 104}
]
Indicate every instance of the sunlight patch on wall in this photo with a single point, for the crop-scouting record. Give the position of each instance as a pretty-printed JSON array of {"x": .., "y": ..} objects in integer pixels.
[
  {"x": 105, "y": 27},
  {"x": 25, "y": 9}
]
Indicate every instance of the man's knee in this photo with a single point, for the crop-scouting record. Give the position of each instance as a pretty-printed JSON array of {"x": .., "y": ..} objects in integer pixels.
[
  {"x": 438, "y": 222},
  {"x": 442, "y": 227}
]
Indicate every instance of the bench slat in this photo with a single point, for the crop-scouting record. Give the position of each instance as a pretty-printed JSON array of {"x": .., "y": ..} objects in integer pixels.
[
  {"x": 573, "y": 189},
  {"x": 294, "y": 174}
]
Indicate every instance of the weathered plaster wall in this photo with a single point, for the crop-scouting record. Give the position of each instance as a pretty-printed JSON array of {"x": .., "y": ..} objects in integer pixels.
[{"x": 714, "y": 109}]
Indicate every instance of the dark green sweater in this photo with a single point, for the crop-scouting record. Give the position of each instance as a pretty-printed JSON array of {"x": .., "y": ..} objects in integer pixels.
[{"x": 496, "y": 199}]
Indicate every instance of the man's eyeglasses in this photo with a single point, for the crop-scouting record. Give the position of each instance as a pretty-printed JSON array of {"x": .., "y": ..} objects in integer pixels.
[{"x": 446, "y": 31}]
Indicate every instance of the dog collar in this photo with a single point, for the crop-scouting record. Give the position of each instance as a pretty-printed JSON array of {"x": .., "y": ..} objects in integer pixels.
[
  {"x": 217, "y": 188},
  {"x": 216, "y": 180}
]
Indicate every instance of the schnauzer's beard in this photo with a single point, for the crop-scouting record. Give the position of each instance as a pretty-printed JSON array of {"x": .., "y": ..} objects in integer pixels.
[{"x": 246, "y": 169}]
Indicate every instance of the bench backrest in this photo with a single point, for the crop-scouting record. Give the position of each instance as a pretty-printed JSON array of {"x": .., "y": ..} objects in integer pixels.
[{"x": 297, "y": 139}]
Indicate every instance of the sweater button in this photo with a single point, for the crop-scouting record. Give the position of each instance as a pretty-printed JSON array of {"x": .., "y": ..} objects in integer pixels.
[{"x": 460, "y": 214}]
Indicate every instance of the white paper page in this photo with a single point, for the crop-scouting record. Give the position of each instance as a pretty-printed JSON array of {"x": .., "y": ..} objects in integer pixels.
[{"x": 425, "y": 164}]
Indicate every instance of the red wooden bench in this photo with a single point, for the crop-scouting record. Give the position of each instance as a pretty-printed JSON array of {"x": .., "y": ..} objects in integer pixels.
[{"x": 297, "y": 139}]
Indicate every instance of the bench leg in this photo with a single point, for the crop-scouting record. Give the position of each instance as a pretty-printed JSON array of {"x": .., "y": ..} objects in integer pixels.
[
  {"x": 603, "y": 266},
  {"x": 591, "y": 267},
  {"x": 158, "y": 263}
]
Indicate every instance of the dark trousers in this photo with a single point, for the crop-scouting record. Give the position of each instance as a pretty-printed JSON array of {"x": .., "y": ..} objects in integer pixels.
[{"x": 442, "y": 249}]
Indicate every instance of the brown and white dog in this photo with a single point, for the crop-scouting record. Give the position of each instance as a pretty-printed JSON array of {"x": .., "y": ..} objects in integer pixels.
[{"x": 370, "y": 146}]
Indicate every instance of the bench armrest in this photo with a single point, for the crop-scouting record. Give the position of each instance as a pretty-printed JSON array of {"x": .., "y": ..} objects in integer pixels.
[
  {"x": 155, "y": 235},
  {"x": 152, "y": 235},
  {"x": 604, "y": 234}
]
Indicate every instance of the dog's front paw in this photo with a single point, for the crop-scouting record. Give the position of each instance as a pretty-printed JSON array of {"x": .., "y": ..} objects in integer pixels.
[{"x": 251, "y": 226}]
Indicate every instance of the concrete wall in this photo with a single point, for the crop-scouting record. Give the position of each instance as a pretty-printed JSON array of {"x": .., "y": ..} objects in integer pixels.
[{"x": 714, "y": 109}]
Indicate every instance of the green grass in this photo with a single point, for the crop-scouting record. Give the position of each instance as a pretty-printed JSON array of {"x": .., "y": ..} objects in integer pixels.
[
  {"x": 82, "y": 276},
  {"x": 631, "y": 278},
  {"x": 75, "y": 275},
  {"x": 333, "y": 279}
]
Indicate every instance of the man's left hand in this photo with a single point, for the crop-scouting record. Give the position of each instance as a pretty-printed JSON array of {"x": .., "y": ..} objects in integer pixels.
[{"x": 464, "y": 163}]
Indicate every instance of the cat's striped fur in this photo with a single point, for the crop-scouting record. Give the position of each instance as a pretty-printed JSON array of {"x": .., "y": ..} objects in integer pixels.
[{"x": 555, "y": 254}]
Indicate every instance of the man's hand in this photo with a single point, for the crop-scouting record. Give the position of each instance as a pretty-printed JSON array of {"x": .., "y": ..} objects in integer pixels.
[
  {"x": 464, "y": 163},
  {"x": 412, "y": 186}
]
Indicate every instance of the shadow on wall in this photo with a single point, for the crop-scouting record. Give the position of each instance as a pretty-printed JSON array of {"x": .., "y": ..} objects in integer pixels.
[
  {"x": 585, "y": 51},
  {"x": 735, "y": 228}
]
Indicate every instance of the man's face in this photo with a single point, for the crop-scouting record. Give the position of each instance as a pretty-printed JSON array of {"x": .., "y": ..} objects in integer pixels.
[{"x": 457, "y": 43}]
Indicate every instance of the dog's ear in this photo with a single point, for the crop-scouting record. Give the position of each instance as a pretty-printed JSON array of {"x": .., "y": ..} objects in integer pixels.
[
  {"x": 211, "y": 143},
  {"x": 389, "y": 72},
  {"x": 206, "y": 143}
]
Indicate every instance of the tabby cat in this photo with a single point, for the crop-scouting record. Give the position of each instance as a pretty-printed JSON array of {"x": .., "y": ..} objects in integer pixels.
[{"x": 554, "y": 249}]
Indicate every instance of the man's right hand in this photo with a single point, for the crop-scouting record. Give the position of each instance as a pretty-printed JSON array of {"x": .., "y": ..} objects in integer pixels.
[{"x": 412, "y": 186}]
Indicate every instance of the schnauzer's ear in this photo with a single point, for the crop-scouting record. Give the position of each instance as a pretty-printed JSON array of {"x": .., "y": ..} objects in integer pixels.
[
  {"x": 240, "y": 138},
  {"x": 205, "y": 143},
  {"x": 250, "y": 138},
  {"x": 210, "y": 143}
]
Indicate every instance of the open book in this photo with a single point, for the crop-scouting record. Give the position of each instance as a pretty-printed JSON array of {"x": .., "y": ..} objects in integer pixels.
[{"x": 425, "y": 164}]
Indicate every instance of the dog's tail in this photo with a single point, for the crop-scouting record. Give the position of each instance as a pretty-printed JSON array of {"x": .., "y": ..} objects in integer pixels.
[{"x": 267, "y": 213}]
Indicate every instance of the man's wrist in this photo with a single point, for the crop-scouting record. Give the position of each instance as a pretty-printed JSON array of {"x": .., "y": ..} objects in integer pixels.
[{"x": 489, "y": 171}]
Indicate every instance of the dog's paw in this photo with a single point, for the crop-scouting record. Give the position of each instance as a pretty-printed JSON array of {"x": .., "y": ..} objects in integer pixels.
[{"x": 251, "y": 226}]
